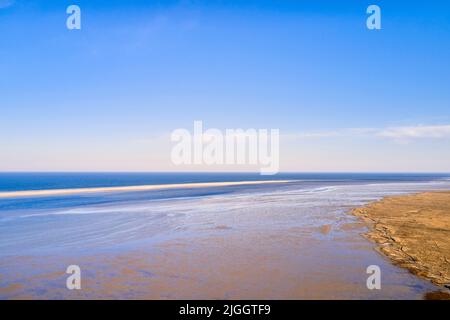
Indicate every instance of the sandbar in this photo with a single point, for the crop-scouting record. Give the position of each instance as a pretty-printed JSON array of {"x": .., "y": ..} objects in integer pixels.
[{"x": 60, "y": 192}]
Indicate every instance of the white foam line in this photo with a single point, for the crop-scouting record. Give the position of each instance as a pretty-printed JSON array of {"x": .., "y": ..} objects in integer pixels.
[{"x": 60, "y": 192}]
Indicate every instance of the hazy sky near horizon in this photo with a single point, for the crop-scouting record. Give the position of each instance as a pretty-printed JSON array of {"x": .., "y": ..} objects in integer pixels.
[{"x": 107, "y": 97}]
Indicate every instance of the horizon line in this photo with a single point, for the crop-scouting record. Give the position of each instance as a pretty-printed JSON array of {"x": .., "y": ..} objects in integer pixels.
[{"x": 224, "y": 172}]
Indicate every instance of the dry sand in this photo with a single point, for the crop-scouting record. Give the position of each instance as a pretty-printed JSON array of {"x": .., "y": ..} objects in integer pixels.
[{"x": 414, "y": 231}]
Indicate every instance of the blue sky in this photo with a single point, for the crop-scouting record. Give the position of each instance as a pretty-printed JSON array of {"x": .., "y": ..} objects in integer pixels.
[{"x": 107, "y": 96}]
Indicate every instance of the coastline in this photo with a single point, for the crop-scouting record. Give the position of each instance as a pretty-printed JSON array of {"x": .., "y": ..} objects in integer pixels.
[
  {"x": 413, "y": 231},
  {"x": 58, "y": 192},
  {"x": 292, "y": 241}
]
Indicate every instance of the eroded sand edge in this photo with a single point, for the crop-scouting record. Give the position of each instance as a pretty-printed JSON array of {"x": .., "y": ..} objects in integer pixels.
[{"x": 413, "y": 231}]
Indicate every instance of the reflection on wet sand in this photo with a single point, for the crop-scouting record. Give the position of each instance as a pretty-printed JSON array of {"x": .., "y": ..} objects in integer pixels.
[{"x": 227, "y": 265}]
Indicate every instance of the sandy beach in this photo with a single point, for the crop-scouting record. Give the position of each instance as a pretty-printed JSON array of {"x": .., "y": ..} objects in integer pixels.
[{"x": 414, "y": 232}]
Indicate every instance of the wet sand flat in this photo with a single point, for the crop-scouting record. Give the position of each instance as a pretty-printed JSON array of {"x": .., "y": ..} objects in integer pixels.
[
  {"x": 414, "y": 231},
  {"x": 286, "y": 262}
]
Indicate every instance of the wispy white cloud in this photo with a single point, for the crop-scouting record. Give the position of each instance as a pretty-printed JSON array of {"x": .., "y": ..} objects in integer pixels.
[
  {"x": 396, "y": 133},
  {"x": 415, "y": 132}
]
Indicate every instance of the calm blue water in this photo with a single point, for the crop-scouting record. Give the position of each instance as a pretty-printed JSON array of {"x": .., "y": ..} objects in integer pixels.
[{"x": 43, "y": 181}]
